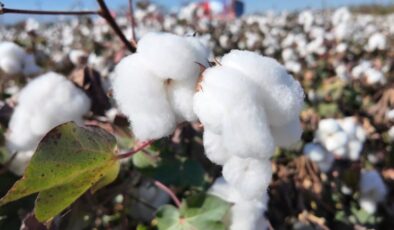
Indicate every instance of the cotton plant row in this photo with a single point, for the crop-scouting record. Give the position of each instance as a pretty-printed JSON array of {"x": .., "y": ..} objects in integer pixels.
[{"x": 247, "y": 103}]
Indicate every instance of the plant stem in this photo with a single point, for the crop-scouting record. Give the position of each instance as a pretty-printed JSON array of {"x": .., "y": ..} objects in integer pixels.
[
  {"x": 132, "y": 22},
  {"x": 169, "y": 192},
  {"x": 104, "y": 12},
  {"x": 135, "y": 150},
  {"x": 46, "y": 12}
]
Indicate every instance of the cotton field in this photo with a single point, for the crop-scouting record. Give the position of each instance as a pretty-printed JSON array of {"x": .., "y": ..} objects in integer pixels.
[{"x": 276, "y": 120}]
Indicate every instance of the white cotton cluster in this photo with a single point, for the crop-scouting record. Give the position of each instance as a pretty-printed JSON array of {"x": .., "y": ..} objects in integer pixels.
[
  {"x": 342, "y": 138},
  {"x": 244, "y": 214},
  {"x": 366, "y": 71},
  {"x": 44, "y": 103},
  {"x": 376, "y": 42},
  {"x": 78, "y": 57},
  {"x": 155, "y": 86},
  {"x": 317, "y": 153},
  {"x": 15, "y": 60},
  {"x": 372, "y": 190},
  {"x": 248, "y": 105}
]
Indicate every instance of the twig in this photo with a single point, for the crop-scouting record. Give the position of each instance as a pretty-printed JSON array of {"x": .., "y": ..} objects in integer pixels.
[
  {"x": 135, "y": 150},
  {"x": 132, "y": 22},
  {"x": 104, "y": 12},
  {"x": 169, "y": 192},
  {"x": 46, "y": 12}
]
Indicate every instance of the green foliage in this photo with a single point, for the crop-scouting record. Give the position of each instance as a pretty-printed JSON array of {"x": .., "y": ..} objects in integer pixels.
[
  {"x": 68, "y": 161},
  {"x": 196, "y": 212}
]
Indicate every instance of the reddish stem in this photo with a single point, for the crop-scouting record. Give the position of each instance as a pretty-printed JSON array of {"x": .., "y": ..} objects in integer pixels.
[
  {"x": 169, "y": 192},
  {"x": 135, "y": 150}
]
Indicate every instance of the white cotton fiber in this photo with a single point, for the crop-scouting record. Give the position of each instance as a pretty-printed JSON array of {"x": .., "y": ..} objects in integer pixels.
[
  {"x": 143, "y": 98},
  {"x": 281, "y": 94},
  {"x": 319, "y": 155},
  {"x": 251, "y": 177},
  {"x": 44, "y": 103},
  {"x": 222, "y": 189},
  {"x": 376, "y": 42},
  {"x": 214, "y": 148},
  {"x": 372, "y": 189},
  {"x": 227, "y": 104},
  {"x": 247, "y": 215},
  {"x": 78, "y": 57},
  {"x": 14, "y": 60},
  {"x": 170, "y": 56},
  {"x": 155, "y": 86}
]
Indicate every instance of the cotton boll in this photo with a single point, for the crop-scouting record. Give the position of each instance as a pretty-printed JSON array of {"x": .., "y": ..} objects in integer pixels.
[
  {"x": 327, "y": 127},
  {"x": 44, "y": 103},
  {"x": 170, "y": 56},
  {"x": 246, "y": 216},
  {"x": 235, "y": 113},
  {"x": 78, "y": 57},
  {"x": 214, "y": 148},
  {"x": 11, "y": 58},
  {"x": 180, "y": 96},
  {"x": 376, "y": 42},
  {"x": 223, "y": 190},
  {"x": 335, "y": 141},
  {"x": 318, "y": 154},
  {"x": 251, "y": 177},
  {"x": 281, "y": 94},
  {"x": 142, "y": 97},
  {"x": 288, "y": 134},
  {"x": 374, "y": 76},
  {"x": 372, "y": 189}
]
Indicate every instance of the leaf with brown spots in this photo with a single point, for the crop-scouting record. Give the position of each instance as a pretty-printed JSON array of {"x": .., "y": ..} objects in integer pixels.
[{"x": 68, "y": 161}]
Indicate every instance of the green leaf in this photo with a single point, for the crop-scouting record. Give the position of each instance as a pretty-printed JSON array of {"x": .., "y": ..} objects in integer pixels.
[
  {"x": 68, "y": 161},
  {"x": 197, "y": 212}
]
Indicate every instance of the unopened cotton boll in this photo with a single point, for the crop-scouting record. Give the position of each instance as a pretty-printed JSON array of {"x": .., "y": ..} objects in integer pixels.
[
  {"x": 372, "y": 189},
  {"x": 251, "y": 177},
  {"x": 44, "y": 103},
  {"x": 281, "y": 94}
]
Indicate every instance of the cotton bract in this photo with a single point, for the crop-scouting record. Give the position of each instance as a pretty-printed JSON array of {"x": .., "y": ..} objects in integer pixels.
[
  {"x": 155, "y": 86},
  {"x": 44, "y": 103}
]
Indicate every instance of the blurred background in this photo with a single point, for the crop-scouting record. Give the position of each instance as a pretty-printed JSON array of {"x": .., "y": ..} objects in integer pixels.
[{"x": 340, "y": 176}]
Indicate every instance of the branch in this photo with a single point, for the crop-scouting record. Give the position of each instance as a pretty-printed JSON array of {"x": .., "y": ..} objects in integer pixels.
[
  {"x": 169, "y": 192},
  {"x": 135, "y": 150},
  {"x": 132, "y": 21},
  {"x": 46, "y": 12},
  {"x": 104, "y": 12}
]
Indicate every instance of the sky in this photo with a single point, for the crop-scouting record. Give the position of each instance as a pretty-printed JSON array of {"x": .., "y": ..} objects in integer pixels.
[{"x": 251, "y": 5}]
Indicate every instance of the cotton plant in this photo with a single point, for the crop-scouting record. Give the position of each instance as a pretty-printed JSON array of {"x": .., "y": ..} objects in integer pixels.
[
  {"x": 47, "y": 101},
  {"x": 372, "y": 190},
  {"x": 365, "y": 70},
  {"x": 15, "y": 60}
]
